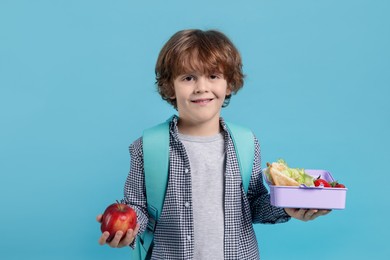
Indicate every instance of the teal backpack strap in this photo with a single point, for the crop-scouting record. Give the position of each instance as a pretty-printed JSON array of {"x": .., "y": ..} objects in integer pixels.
[
  {"x": 244, "y": 145},
  {"x": 155, "y": 142},
  {"x": 155, "y": 146}
]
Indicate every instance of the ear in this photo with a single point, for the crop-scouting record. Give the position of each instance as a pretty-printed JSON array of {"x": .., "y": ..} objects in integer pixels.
[
  {"x": 171, "y": 90},
  {"x": 228, "y": 91}
]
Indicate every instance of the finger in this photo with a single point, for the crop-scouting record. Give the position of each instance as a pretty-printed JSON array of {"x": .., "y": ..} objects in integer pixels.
[
  {"x": 127, "y": 239},
  {"x": 103, "y": 238},
  {"x": 291, "y": 211},
  {"x": 295, "y": 213},
  {"x": 99, "y": 218},
  {"x": 302, "y": 213},
  {"x": 311, "y": 214},
  {"x": 130, "y": 236},
  {"x": 324, "y": 212},
  {"x": 117, "y": 238}
]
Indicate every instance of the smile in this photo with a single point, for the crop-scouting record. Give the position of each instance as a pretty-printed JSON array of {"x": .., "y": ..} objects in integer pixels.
[{"x": 202, "y": 101}]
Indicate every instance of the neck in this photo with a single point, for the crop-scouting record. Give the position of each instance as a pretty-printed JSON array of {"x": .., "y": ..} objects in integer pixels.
[{"x": 207, "y": 128}]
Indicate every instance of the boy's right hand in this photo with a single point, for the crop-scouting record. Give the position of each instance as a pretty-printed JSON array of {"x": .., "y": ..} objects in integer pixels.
[{"x": 117, "y": 241}]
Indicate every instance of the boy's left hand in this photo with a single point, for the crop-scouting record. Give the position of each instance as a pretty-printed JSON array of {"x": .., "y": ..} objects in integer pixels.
[{"x": 306, "y": 214}]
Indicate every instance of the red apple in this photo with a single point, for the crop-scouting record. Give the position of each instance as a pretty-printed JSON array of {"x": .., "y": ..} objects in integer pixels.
[{"x": 118, "y": 216}]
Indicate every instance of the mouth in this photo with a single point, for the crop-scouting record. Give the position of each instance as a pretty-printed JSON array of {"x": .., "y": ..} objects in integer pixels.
[{"x": 202, "y": 101}]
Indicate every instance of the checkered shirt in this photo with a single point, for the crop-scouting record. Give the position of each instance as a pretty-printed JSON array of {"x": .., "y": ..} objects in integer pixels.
[{"x": 174, "y": 235}]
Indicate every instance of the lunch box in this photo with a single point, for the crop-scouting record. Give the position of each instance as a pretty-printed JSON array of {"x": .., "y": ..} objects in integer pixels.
[{"x": 308, "y": 197}]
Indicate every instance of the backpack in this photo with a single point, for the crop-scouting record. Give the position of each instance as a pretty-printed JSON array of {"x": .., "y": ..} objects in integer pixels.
[{"x": 155, "y": 143}]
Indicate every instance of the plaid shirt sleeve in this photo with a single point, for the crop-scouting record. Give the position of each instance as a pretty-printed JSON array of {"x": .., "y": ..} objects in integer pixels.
[
  {"x": 261, "y": 209},
  {"x": 134, "y": 191}
]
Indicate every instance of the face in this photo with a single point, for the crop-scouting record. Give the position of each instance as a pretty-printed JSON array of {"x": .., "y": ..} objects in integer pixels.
[{"x": 200, "y": 97}]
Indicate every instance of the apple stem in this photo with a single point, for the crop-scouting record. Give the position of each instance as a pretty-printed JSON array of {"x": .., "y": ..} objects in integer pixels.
[{"x": 119, "y": 205}]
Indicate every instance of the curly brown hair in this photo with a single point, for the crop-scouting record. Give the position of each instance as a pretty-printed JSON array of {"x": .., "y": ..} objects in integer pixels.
[{"x": 202, "y": 51}]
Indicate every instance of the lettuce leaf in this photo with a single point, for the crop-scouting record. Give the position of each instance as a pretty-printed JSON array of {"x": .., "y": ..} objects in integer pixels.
[{"x": 297, "y": 174}]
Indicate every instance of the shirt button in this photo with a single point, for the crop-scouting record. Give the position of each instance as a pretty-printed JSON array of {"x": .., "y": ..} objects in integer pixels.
[
  {"x": 186, "y": 170},
  {"x": 189, "y": 238},
  {"x": 187, "y": 204}
]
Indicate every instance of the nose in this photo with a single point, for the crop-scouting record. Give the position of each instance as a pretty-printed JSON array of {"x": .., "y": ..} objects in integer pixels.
[{"x": 201, "y": 85}]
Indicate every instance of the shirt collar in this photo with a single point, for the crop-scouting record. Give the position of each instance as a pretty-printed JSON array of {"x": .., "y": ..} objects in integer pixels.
[{"x": 174, "y": 130}]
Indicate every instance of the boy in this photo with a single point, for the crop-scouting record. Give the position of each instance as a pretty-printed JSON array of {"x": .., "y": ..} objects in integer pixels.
[{"x": 206, "y": 213}]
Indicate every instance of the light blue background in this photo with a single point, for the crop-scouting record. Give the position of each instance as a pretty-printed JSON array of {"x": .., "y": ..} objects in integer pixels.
[{"x": 77, "y": 87}]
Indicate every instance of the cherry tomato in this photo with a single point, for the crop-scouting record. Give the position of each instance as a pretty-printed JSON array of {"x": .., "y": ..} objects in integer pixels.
[
  {"x": 335, "y": 184},
  {"x": 321, "y": 182}
]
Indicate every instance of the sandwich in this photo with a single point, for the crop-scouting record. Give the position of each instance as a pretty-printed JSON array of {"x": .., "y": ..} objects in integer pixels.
[{"x": 279, "y": 174}]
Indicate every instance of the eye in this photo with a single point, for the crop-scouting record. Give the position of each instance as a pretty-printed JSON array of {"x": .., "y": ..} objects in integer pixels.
[
  {"x": 215, "y": 76},
  {"x": 188, "y": 78}
]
